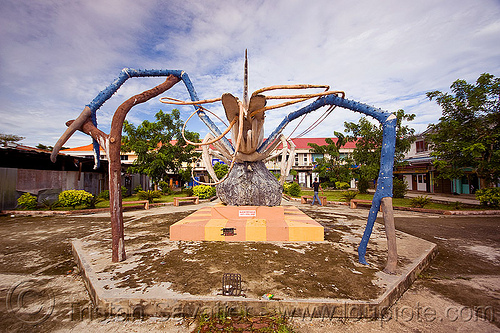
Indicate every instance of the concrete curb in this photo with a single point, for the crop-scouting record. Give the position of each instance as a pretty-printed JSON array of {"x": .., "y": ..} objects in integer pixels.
[
  {"x": 83, "y": 211},
  {"x": 441, "y": 211}
]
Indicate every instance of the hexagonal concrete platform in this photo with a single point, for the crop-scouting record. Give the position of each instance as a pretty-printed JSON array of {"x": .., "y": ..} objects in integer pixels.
[{"x": 163, "y": 278}]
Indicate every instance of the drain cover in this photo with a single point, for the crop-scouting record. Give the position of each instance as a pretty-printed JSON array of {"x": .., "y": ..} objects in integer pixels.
[
  {"x": 228, "y": 232},
  {"x": 231, "y": 284}
]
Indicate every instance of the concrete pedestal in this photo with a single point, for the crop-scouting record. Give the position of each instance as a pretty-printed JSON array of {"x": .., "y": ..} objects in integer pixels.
[{"x": 248, "y": 223}]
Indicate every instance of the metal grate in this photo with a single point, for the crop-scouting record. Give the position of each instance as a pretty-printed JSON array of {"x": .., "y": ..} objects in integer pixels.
[
  {"x": 231, "y": 284},
  {"x": 228, "y": 232}
]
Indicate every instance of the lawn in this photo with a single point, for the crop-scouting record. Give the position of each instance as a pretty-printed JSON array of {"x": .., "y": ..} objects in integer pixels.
[
  {"x": 400, "y": 202},
  {"x": 163, "y": 198},
  {"x": 330, "y": 196},
  {"x": 105, "y": 203}
]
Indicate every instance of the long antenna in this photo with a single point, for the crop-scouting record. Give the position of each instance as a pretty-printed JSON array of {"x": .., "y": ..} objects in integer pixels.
[{"x": 245, "y": 82}]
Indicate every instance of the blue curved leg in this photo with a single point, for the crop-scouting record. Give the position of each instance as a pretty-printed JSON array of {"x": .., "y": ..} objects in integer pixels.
[
  {"x": 384, "y": 183},
  {"x": 127, "y": 73}
]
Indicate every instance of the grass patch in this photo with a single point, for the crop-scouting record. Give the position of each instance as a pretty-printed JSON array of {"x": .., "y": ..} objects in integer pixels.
[
  {"x": 337, "y": 195},
  {"x": 223, "y": 323},
  {"x": 163, "y": 198},
  {"x": 400, "y": 202}
]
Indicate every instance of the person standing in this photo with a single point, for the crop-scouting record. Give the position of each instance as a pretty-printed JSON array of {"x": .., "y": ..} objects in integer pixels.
[{"x": 316, "y": 186}]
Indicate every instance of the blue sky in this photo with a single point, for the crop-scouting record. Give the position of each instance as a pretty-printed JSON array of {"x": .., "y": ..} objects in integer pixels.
[{"x": 55, "y": 56}]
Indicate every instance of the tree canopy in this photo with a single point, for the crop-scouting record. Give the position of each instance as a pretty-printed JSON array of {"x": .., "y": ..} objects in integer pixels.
[
  {"x": 468, "y": 133},
  {"x": 9, "y": 138},
  {"x": 368, "y": 138},
  {"x": 221, "y": 170},
  {"x": 44, "y": 147},
  {"x": 332, "y": 166},
  {"x": 153, "y": 143}
]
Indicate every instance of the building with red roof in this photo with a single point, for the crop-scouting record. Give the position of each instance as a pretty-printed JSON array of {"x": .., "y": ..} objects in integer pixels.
[
  {"x": 303, "y": 162},
  {"x": 304, "y": 159}
]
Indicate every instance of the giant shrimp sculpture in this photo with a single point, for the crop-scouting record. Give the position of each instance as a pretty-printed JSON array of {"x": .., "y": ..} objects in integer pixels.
[{"x": 248, "y": 182}]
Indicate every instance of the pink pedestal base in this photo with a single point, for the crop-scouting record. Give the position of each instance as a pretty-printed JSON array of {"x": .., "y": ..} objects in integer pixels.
[{"x": 248, "y": 223}]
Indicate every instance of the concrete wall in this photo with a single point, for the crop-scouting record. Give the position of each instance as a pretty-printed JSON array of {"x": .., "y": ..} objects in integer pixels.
[
  {"x": 8, "y": 194},
  {"x": 31, "y": 180},
  {"x": 13, "y": 181}
]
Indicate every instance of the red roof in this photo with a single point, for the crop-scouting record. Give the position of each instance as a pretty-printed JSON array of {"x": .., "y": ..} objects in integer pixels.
[
  {"x": 300, "y": 143},
  {"x": 89, "y": 148},
  {"x": 28, "y": 148}
]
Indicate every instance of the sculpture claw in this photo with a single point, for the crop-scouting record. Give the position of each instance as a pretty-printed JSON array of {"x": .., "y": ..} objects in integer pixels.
[{"x": 73, "y": 127}]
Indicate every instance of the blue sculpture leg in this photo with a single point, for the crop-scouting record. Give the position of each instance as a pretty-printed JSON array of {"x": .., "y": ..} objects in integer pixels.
[
  {"x": 384, "y": 183},
  {"x": 372, "y": 216}
]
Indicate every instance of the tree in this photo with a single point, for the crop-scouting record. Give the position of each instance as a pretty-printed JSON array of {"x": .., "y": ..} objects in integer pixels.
[
  {"x": 9, "y": 138},
  {"x": 368, "y": 138},
  {"x": 468, "y": 133},
  {"x": 221, "y": 170},
  {"x": 152, "y": 142},
  {"x": 44, "y": 147},
  {"x": 332, "y": 165}
]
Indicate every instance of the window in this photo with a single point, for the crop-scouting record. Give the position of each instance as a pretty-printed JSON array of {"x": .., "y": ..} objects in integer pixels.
[
  {"x": 422, "y": 179},
  {"x": 124, "y": 157},
  {"x": 421, "y": 146},
  {"x": 316, "y": 156}
]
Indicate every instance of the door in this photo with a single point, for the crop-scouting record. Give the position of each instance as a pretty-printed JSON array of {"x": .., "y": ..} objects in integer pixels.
[
  {"x": 422, "y": 182},
  {"x": 465, "y": 185}
]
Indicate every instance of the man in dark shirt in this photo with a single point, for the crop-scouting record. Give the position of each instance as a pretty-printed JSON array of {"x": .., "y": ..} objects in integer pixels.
[{"x": 316, "y": 185}]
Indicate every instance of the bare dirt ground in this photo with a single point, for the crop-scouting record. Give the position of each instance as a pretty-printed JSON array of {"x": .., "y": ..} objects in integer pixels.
[{"x": 40, "y": 291}]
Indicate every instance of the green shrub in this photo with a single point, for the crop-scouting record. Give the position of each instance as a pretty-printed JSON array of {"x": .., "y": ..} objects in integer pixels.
[
  {"x": 489, "y": 196},
  {"x": 286, "y": 187},
  {"x": 149, "y": 195},
  {"x": 73, "y": 198},
  {"x": 363, "y": 185},
  {"x": 94, "y": 201},
  {"x": 347, "y": 196},
  {"x": 399, "y": 188},
  {"x": 325, "y": 185},
  {"x": 104, "y": 195},
  {"x": 204, "y": 191},
  {"x": 27, "y": 201},
  {"x": 221, "y": 170},
  {"x": 165, "y": 187},
  {"x": 342, "y": 185},
  {"x": 137, "y": 188},
  {"x": 294, "y": 189},
  {"x": 188, "y": 191},
  {"x": 420, "y": 201},
  {"x": 49, "y": 204},
  {"x": 457, "y": 205}
]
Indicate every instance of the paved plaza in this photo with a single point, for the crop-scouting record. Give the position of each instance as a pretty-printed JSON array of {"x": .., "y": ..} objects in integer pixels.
[{"x": 459, "y": 290}]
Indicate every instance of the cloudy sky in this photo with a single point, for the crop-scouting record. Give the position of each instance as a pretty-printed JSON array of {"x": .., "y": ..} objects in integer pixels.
[{"x": 55, "y": 56}]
